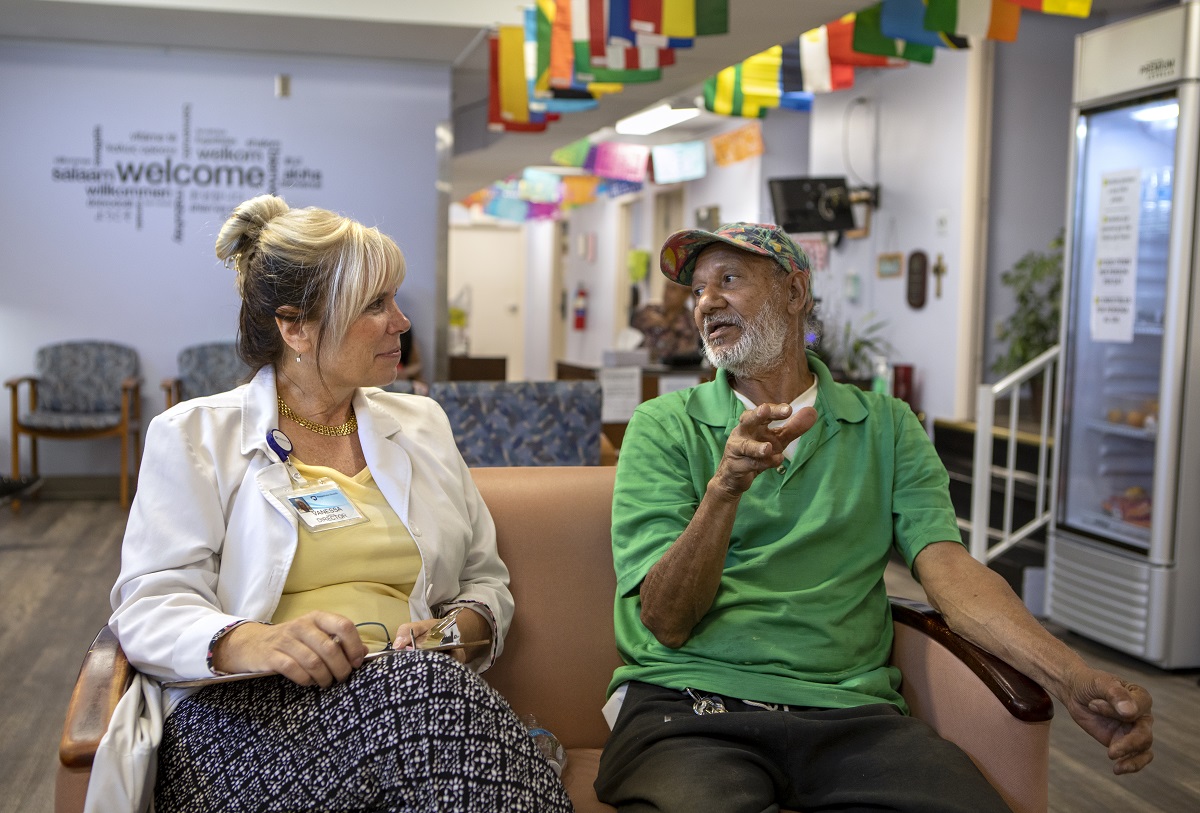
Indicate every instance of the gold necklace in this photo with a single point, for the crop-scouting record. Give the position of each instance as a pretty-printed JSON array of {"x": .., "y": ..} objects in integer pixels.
[{"x": 347, "y": 428}]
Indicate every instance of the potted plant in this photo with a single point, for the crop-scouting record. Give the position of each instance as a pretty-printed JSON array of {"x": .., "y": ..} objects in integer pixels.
[
  {"x": 1036, "y": 283},
  {"x": 851, "y": 351}
]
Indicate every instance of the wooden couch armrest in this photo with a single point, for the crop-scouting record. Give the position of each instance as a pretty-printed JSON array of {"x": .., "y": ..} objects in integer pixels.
[
  {"x": 999, "y": 717},
  {"x": 1020, "y": 695},
  {"x": 103, "y": 678}
]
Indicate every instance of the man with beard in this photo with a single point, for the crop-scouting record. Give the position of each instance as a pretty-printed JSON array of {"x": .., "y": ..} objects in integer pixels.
[{"x": 753, "y": 518}]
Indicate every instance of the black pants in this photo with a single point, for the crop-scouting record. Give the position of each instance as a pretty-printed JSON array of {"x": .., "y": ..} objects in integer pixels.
[{"x": 662, "y": 756}]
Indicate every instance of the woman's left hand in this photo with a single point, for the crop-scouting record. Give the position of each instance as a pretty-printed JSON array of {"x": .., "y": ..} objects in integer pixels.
[{"x": 472, "y": 626}]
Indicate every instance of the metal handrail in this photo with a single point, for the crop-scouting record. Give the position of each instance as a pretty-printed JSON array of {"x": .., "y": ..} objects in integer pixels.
[{"x": 981, "y": 546}]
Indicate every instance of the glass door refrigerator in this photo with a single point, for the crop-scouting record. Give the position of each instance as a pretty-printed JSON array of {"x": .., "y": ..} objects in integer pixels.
[{"x": 1124, "y": 554}]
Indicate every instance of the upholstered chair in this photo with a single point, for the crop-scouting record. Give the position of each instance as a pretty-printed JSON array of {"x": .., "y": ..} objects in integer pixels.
[
  {"x": 205, "y": 369},
  {"x": 523, "y": 423},
  {"x": 82, "y": 390}
]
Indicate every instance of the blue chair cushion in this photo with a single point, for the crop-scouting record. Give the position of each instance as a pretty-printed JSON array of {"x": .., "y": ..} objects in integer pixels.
[
  {"x": 523, "y": 423},
  {"x": 76, "y": 421},
  {"x": 83, "y": 377},
  {"x": 205, "y": 369}
]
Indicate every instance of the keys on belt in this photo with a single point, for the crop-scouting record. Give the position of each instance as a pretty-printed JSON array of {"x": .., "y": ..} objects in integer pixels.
[{"x": 705, "y": 703}]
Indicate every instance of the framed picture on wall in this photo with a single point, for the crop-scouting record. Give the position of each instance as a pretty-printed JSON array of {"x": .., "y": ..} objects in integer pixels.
[{"x": 889, "y": 265}]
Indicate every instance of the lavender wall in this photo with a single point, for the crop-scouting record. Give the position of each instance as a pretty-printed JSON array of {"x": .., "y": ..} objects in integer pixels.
[{"x": 86, "y": 136}]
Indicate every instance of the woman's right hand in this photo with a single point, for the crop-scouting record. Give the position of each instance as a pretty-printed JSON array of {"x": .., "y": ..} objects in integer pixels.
[{"x": 317, "y": 648}]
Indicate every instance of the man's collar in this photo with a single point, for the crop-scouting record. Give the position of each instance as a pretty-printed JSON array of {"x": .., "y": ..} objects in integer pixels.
[{"x": 716, "y": 404}]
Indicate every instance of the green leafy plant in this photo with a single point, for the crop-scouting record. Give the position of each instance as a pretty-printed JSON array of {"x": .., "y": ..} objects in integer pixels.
[
  {"x": 1036, "y": 282},
  {"x": 854, "y": 350}
]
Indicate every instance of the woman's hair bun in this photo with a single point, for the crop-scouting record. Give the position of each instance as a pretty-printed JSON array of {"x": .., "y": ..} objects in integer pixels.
[{"x": 242, "y": 229}]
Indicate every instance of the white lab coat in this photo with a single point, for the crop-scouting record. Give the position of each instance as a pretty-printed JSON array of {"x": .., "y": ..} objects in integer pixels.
[{"x": 207, "y": 544}]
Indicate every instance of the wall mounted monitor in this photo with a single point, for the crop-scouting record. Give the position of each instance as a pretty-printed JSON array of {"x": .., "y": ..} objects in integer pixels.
[{"x": 805, "y": 205}]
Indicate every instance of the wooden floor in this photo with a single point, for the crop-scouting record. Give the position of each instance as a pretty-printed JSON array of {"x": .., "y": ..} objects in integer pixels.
[{"x": 58, "y": 560}]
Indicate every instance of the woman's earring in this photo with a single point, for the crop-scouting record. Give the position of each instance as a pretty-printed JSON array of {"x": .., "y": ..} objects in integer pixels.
[{"x": 297, "y": 358}]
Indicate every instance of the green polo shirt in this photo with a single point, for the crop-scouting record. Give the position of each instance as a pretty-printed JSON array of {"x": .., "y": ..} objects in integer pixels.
[{"x": 801, "y": 616}]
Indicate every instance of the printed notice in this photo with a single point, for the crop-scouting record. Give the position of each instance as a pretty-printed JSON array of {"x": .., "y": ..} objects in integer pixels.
[
  {"x": 621, "y": 389},
  {"x": 1114, "y": 277}
]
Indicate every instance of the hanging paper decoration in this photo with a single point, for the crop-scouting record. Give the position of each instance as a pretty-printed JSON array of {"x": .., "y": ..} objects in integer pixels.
[
  {"x": 905, "y": 20},
  {"x": 737, "y": 145},
  {"x": 506, "y": 203},
  {"x": 993, "y": 19},
  {"x": 674, "y": 163},
  {"x": 1066, "y": 8},
  {"x": 619, "y": 161},
  {"x": 615, "y": 188},
  {"x": 572, "y": 155},
  {"x": 579, "y": 190},
  {"x": 540, "y": 186}
]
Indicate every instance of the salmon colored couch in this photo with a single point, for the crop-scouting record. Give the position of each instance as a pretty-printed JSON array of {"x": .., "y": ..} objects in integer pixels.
[{"x": 553, "y": 528}]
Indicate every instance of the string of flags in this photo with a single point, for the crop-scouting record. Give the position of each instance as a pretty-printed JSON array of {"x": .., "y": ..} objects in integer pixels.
[{"x": 571, "y": 53}]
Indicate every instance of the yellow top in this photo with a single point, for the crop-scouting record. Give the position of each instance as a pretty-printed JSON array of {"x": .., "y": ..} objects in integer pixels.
[{"x": 365, "y": 572}]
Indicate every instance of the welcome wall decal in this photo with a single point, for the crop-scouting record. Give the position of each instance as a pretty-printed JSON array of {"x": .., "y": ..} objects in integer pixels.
[{"x": 200, "y": 170}]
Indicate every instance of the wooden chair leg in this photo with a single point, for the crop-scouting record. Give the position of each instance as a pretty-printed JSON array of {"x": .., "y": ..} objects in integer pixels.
[{"x": 124, "y": 487}]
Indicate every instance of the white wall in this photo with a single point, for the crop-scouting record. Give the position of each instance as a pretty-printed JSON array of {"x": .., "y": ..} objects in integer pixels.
[
  {"x": 1029, "y": 161},
  {"x": 74, "y": 270},
  {"x": 918, "y": 114}
]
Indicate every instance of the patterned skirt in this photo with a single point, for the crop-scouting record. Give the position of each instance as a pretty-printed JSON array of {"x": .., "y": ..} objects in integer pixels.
[{"x": 413, "y": 732}]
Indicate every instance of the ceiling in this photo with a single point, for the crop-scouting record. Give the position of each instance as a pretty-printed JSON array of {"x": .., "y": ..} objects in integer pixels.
[{"x": 451, "y": 32}]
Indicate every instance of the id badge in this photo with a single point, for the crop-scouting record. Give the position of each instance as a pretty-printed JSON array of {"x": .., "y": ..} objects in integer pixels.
[{"x": 319, "y": 504}]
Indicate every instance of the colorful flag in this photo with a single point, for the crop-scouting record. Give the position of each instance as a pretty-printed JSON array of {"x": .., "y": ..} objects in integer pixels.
[
  {"x": 993, "y": 19},
  {"x": 562, "y": 56},
  {"x": 646, "y": 20},
  {"x": 1066, "y": 8},
  {"x": 588, "y": 30},
  {"x": 712, "y": 17},
  {"x": 517, "y": 101},
  {"x": 839, "y": 36},
  {"x": 792, "y": 94},
  {"x": 870, "y": 39},
  {"x": 737, "y": 145},
  {"x": 905, "y": 20},
  {"x": 821, "y": 74},
  {"x": 679, "y": 18},
  {"x": 543, "y": 98}
]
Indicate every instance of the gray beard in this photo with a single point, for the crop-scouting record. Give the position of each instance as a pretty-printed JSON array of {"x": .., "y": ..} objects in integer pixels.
[{"x": 758, "y": 349}]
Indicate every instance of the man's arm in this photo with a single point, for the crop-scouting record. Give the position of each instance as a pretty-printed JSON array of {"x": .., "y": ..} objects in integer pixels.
[
  {"x": 681, "y": 586},
  {"x": 979, "y": 605}
]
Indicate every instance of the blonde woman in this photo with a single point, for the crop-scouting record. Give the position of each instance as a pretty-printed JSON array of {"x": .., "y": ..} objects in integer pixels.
[{"x": 222, "y": 573}]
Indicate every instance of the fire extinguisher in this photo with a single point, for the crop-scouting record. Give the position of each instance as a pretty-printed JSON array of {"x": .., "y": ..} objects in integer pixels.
[{"x": 580, "y": 308}]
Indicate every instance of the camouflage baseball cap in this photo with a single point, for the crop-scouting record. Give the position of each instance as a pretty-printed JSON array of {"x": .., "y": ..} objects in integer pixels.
[{"x": 678, "y": 257}]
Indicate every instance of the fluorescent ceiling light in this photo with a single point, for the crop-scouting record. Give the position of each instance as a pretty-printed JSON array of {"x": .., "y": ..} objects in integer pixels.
[{"x": 655, "y": 119}]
